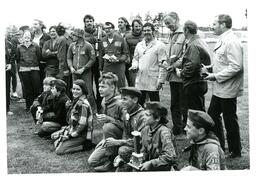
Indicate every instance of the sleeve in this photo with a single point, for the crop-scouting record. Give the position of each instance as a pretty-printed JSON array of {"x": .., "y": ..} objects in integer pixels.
[
  {"x": 191, "y": 62},
  {"x": 162, "y": 57},
  {"x": 62, "y": 53},
  {"x": 234, "y": 57},
  {"x": 124, "y": 52},
  {"x": 82, "y": 123},
  {"x": 38, "y": 53},
  {"x": 135, "y": 60},
  {"x": 70, "y": 56},
  {"x": 46, "y": 47},
  {"x": 92, "y": 57},
  {"x": 18, "y": 55},
  {"x": 212, "y": 160},
  {"x": 168, "y": 154},
  {"x": 101, "y": 54}
]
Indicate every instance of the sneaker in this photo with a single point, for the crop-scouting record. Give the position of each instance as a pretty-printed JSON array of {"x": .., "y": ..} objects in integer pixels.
[
  {"x": 15, "y": 95},
  {"x": 9, "y": 113}
]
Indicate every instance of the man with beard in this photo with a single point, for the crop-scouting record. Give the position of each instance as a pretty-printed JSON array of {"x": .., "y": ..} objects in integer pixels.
[
  {"x": 149, "y": 57},
  {"x": 132, "y": 39},
  {"x": 94, "y": 35}
]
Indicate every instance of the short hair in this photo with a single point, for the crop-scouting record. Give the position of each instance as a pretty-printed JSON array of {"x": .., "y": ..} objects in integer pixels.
[
  {"x": 60, "y": 30},
  {"x": 109, "y": 78},
  {"x": 41, "y": 24},
  {"x": 198, "y": 126},
  {"x": 148, "y": 24},
  {"x": 53, "y": 27},
  {"x": 24, "y": 27},
  {"x": 128, "y": 27},
  {"x": 191, "y": 27},
  {"x": 138, "y": 21},
  {"x": 111, "y": 24},
  {"x": 174, "y": 15},
  {"x": 88, "y": 16},
  {"x": 158, "y": 111},
  {"x": 48, "y": 80},
  {"x": 226, "y": 19}
]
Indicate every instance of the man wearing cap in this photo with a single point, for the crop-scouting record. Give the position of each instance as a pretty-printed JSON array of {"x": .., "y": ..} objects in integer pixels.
[
  {"x": 54, "y": 116},
  {"x": 157, "y": 142},
  {"x": 195, "y": 55},
  {"x": 135, "y": 122},
  {"x": 205, "y": 151},
  {"x": 81, "y": 57}
]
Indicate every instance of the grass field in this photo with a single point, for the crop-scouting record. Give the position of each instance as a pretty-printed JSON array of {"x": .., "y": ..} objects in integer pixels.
[{"x": 27, "y": 153}]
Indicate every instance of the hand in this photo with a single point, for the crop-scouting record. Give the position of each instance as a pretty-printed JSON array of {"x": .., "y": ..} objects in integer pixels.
[
  {"x": 104, "y": 118},
  {"x": 159, "y": 86},
  {"x": 134, "y": 68},
  {"x": 80, "y": 71},
  {"x": 8, "y": 67},
  {"x": 210, "y": 77},
  {"x": 111, "y": 142},
  {"x": 178, "y": 72},
  {"x": 170, "y": 68},
  {"x": 72, "y": 70},
  {"x": 145, "y": 166}
]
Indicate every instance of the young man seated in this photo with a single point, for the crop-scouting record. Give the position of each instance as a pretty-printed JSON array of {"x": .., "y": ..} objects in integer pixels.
[
  {"x": 205, "y": 151},
  {"x": 114, "y": 113}
]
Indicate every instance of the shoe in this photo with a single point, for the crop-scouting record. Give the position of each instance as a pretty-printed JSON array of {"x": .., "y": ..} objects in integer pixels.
[
  {"x": 22, "y": 100},
  {"x": 9, "y": 113},
  {"x": 14, "y": 95},
  {"x": 107, "y": 167},
  {"x": 234, "y": 155}
]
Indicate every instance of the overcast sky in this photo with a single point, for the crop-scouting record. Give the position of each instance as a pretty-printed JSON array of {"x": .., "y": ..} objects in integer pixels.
[{"x": 22, "y": 12}]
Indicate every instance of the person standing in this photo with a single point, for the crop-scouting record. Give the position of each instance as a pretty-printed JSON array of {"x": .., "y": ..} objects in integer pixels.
[
  {"x": 205, "y": 151},
  {"x": 123, "y": 26},
  {"x": 114, "y": 54},
  {"x": 94, "y": 35},
  {"x": 228, "y": 76},
  {"x": 50, "y": 52},
  {"x": 28, "y": 56},
  {"x": 40, "y": 37},
  {"x": 176, "y": 42},
  {"x": 81, "y": 57},
  {"x": 196, "y": 54},
  {"x": 132, "y": 39},
  {"x": 149, "y": 57}
]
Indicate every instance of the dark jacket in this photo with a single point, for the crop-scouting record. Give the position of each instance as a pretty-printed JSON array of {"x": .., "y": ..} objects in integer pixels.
[
  {"x": 50, "y": 58},
  {"x": 196, "y": 53},
  {"x": 132, "y": 40},
  {"x": 42, "y": 40},
  {"x": 28, "y": 57}
]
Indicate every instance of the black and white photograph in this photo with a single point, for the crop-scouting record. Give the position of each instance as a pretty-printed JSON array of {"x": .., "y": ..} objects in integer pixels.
[{"x": 114, "y": 88}]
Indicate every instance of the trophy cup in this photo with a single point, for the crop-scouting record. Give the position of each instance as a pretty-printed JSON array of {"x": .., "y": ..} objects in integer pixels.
[{"x": 137, "y": 157}]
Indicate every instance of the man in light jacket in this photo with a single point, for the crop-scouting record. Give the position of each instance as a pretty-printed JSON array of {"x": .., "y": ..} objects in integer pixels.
[{"x": 228, "y": 84}]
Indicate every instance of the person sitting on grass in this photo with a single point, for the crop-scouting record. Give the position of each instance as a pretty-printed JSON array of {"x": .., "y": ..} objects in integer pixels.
[
  {"x": 114, "y": 114},
  {"x": 54, "y": 116},
  {"x": 40, "y": 103},
  {"x": 205, "y": 151},
  {"x": 77, "y": 135},
  {"x": 158, "y": 149}
]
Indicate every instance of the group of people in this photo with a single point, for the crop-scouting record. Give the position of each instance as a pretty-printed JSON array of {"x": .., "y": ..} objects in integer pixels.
[{"x": 72, "y": 77}]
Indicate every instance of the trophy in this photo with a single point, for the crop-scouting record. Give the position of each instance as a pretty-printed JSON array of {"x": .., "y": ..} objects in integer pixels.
[{"x": 137, "y": 157}]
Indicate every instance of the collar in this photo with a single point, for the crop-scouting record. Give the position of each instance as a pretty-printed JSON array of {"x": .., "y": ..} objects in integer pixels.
[
  {"x": 179, "y": 30},
  {"x": 151, "y": 132},
  {"x": 136, "y": 109},
  {"x": 194, "y": 37},
  {"x": 225, "y": 34}
]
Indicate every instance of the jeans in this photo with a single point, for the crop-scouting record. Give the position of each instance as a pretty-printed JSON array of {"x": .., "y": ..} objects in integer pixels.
[
  {"x": 228, "y": 109},
  {"x": 31, "y": 81}
]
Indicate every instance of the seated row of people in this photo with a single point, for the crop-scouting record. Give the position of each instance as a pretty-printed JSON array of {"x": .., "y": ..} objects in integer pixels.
[{"x": 70, "y": 125}]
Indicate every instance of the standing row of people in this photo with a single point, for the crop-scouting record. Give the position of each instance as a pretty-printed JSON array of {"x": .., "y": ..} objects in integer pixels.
[{"x": 137, "y": 58}]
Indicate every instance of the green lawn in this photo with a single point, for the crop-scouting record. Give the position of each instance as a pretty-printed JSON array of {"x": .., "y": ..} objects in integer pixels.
[{"x": 27, "y": 153}]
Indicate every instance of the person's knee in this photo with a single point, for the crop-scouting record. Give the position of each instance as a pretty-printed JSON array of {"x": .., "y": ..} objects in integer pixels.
[
  {"x": 92, "y": 161},
  {"x": 111, "y": 130}
]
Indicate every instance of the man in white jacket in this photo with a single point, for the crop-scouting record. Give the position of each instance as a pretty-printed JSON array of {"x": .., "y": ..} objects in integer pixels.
[
  {"x": 149, "y": 59},
  {"x": 228, "y": 83}
]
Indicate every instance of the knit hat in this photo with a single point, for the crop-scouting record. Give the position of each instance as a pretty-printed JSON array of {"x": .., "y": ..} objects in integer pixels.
[
  {"x": 59, "y": 84},
  {"x": 200, "y": 118},
  {"x": 82, "y": 85}
]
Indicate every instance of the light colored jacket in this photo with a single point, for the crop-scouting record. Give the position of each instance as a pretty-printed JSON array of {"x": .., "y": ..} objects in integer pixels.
[
  {"x": 174, "y": 51},
  {"x": 228, "y": 66},
  {"x": 148, "y": 60}
]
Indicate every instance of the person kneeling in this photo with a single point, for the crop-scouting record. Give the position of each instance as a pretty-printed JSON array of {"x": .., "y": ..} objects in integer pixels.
[
  {"x": 205, "y": 151},
  {"x": 157, "y": 141},
  {"x": 53, "y": 116},
  {"x": 74, "y": 137}
]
